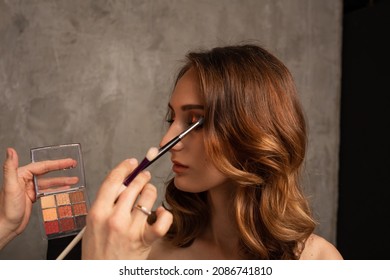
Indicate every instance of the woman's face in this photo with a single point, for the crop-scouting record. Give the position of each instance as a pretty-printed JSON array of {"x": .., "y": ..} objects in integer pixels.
[{"x": 194, "y": 171}]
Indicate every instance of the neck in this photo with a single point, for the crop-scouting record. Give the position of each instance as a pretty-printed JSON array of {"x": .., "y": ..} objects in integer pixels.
[{"x": 222, "y": 232}]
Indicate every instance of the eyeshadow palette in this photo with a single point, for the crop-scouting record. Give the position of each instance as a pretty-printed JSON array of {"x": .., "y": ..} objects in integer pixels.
[
  {"x": 63, "y": 206},
  {"x": 64, "y": 214}
]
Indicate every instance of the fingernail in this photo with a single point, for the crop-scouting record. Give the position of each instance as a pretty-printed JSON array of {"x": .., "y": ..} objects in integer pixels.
[
  {"x": 132, "y": 161},
  {"x": 146, "y": 172}
]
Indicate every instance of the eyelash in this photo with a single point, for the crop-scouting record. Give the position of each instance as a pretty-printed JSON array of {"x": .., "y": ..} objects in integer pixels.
[
  {"x": 170, "y": 118},
  {"x": 192, "y": 118}
]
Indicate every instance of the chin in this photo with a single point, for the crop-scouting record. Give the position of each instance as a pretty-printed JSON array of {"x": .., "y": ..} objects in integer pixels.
[
  {"x": 186, "y": 186},
  {"x": 181, "y": 185}
]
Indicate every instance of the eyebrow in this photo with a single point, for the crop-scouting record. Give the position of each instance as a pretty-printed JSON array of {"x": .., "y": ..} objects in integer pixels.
[{"x": 188, "y": 107}]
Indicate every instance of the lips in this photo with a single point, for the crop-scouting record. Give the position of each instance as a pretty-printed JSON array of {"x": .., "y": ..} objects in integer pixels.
[{"x": 178, "y": 167}]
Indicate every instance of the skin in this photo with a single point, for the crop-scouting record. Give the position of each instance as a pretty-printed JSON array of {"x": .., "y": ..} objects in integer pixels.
[
  {"x": 193, "y": 170},
  {"x": 116, "y": 230}
]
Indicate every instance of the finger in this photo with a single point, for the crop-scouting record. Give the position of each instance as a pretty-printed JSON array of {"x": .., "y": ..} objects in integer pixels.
[
  {"x": 146, "y": 199},
  {"x": 42, "y": 167},
  {"x": 159, "y": 228},
  {"x": 108, "y": 192},
  {"x": 10, "y": 169},
  {"x": 128, "y": 197},
  {"x": 56, "y": 182}
]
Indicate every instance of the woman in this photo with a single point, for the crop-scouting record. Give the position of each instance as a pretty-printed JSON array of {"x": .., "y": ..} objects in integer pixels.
[{"x": 236, "y": 192}]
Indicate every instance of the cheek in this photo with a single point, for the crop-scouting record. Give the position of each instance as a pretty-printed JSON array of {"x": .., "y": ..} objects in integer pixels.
[
  {"x": 206, "y": 177},
  {"x": 212, "y": 177}
]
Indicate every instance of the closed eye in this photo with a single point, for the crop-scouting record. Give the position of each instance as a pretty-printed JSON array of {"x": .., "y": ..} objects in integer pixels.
[
  {"x": 191, "y": 114},
  {"x": 193, "y": 118}
]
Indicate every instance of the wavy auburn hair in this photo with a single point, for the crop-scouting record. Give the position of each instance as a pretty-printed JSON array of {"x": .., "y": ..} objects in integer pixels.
[{"x": 255, "y": 134}]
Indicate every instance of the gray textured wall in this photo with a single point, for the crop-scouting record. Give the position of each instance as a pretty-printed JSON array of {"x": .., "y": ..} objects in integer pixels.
[{"x": 99, "y": 72}]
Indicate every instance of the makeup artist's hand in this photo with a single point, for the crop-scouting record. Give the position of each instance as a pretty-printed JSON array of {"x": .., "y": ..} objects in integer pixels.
[
  {"x": 117, "y": 230},
  {"x": 17, "y": 193}
]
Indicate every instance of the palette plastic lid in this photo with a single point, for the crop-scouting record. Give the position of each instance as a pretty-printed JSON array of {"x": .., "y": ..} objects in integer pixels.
[{"x": 61, "y": 180}]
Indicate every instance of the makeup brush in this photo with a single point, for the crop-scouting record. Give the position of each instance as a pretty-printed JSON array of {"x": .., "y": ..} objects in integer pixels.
[{"x": 151, "y": 156}]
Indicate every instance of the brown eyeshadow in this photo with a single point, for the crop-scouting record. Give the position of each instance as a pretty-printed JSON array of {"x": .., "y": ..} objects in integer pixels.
[
  {"x": 80, "y": 209},
  {"x": 76, "y": 197},
  {"x": 80, "y": 221}
]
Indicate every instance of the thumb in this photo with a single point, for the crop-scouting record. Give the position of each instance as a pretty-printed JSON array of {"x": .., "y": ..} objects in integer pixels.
[{"x": 10, "y": 169}]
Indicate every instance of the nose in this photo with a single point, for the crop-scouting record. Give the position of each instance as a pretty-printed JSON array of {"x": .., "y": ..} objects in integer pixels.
[{"x": 171, "y": 133}]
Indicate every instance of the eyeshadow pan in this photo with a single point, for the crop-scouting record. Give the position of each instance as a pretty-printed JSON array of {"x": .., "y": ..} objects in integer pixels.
[
  {"x": 76, "y": 197},
  {"x": 48, "y": 201},
  {"x": 49, "y": 214},
  {"x": 80, "y": 209},
  {"x": 67, "y": 224},
  {"x": 65, "y": 211},
  {"x": 62, "y": 198},
  {"x": 51, "y": 227},
  {"x": 80, "y": 221}
]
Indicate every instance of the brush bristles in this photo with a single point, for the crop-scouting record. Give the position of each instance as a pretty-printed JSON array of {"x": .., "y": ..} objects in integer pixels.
[{"x": 152, "y": 153}]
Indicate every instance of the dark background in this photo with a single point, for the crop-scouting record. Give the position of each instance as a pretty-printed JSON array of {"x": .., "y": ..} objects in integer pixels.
[{"x": 364, "y": 189}]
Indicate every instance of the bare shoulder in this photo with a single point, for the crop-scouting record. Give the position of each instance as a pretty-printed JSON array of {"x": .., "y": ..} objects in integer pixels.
[{"x": 318, "y": 248}]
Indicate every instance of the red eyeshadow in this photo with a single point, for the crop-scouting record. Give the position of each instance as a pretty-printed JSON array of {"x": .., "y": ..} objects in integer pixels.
[
  {"x": 51, "y": 227},
  {"x": 67, "y": 224}
]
